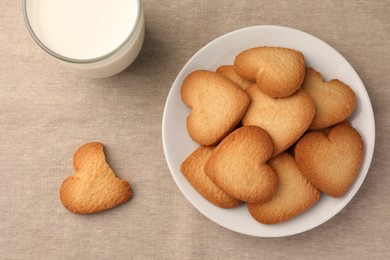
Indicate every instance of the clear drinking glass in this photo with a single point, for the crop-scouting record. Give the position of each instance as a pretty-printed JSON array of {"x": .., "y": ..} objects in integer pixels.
[{"x": 106, "y": 65}]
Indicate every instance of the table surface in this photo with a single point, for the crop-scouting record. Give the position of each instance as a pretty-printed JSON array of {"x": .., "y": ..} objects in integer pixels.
[{"x": 46, "y": 113}]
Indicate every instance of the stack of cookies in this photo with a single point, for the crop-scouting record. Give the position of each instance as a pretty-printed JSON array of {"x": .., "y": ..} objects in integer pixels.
[{"x": 272, "y": 134}]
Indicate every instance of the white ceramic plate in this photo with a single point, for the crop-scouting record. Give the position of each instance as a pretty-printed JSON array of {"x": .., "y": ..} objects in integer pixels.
[{"x": 319, "y": 55}]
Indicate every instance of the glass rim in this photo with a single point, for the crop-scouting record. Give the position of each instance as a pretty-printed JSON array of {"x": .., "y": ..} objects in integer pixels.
[{"x": 73, "y": 60}]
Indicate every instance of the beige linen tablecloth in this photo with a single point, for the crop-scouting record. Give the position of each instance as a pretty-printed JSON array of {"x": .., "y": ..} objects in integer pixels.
[{"x": 46, "y": 113}]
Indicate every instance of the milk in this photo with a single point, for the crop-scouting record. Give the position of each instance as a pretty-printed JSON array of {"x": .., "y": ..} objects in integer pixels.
[{"x": 106, "y": 33}]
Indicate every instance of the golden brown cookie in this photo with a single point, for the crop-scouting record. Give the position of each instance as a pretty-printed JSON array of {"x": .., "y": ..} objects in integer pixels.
[
  {"x": 295, "y": 193},
  {"x": 193, "y": 169},
  {"x": 278, "y": 72},
  {"x": 229, "y": 72},
  {"x": 94, "y": 186},
  {"x": 334, "y": 100},
  {"x": 330, "y": 162},
  {"x": 238, "y": 165},
  {"x": 285, "y": 119},
  {"x": 217, "y": 106}
]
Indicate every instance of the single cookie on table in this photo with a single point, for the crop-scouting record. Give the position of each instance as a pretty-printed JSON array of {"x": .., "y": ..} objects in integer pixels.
[
  {"x": 238, "y": 165},
  {"x": 229, "y": 72},
  {"x": 193, "y": 169},
  {"x": 217, "y": 104},
  {"x": 295, "y": 193},
  {"x": 278, "y": 72},
  {"x": 94, "y": 186},
  {"x": 285, "y": 119},
  {"x": 330, "y": 162},
  {"x": 334, "y": 100}
]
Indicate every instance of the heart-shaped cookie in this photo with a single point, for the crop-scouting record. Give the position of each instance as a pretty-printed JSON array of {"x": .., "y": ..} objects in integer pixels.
[
  {"x": 295, "y": 193},
  {"x": 285, "y": 119},
  {"x": 238, "y": 165},
  {"x": 193, "y": 169},
  {"x": 229, "y": 72},
  {"x": 217, "y": 105},
  {"x": 334, "y": 100},
  {"x": 330, "y": 162},
  {"x": 94, "y": 186},
  {"x": 278, "y": 72}
]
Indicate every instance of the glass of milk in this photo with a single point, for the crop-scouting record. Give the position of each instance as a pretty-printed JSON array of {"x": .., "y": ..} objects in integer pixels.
[{"x": 93, "y": 38}]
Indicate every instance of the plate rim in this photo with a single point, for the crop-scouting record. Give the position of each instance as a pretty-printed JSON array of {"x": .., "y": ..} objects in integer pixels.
[{"x": 368, "y": 154}]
